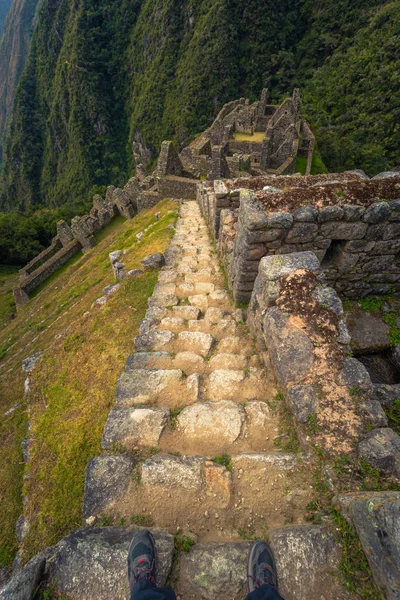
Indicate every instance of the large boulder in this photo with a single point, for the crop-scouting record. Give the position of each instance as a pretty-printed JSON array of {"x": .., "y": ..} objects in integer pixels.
[
  {"x": 307, "y": 558},
  {"x": 92, "y": 563},
  {"x": 376, "y": 517}
]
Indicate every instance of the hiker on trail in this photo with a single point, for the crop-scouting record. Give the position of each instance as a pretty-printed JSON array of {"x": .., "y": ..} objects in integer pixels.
[{"x": 142, "y": 565}]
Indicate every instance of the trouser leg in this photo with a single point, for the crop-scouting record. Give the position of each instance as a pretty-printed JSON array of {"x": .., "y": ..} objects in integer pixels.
[
  {"x": 146, "y": 590},
  {"x": 265, "y": 592}
]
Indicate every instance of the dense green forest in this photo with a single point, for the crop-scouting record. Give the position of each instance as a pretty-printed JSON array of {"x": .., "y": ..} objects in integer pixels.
[
  {"x": 102, "y": 74},
  {"x": 14, "y": 49},
  {"x": 4, "y": 6}
]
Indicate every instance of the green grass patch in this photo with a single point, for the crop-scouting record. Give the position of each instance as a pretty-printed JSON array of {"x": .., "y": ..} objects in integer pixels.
[
  {"x": 354, "y": 565},
  {"x": 112, "y": 227},
  {"x": 257, "y": 137},
  {"x": 74, "y": 384},
  {"x": 142, "y": 520},
  {"x": 317, "y": 165},
  {"x": 224, "y": 460},
  {"x": 72, "y": 261},
  {"x": 301, "y": 164},
  {"x": 393, "y": 414},
  {"x": 183, "y": 543}
]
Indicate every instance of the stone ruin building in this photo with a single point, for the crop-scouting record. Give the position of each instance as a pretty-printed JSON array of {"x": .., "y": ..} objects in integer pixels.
[{"x": 244, "y": 140}]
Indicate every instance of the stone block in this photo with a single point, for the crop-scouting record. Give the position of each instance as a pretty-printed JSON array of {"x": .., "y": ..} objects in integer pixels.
[
  {"x": 302, "y": 233},
  {"x": 225, "y": 580},
  {"x": 107, "y": 478},
  {"x": 369, "y": 334},
  {"x": 153, "y": 261},
  {"x": 24, "y": 584},
  {"x": 211, "y": 422},
  {"x": 195, "y": 341},
  {"x": 225, "y": 384},
  {"x": 392, "y": 231},
  {"x": 141, "y": 386},
  {"x": 376, "y": 517},
  {"x": 315, "y": 546},
  {"x": 328, "y": 298},
  {"x": 292, "y": 353},
  {"x": 343, "y": 231},
  {"x": 377, "y": 213},
  {"x": 355, "y": 375},
  {"x": 303, "y": 402},
  {"x": 182, "y": 472},
  {"x": 279, "y": 220},
  {"x": 155, "y": 339},
  {"x": 306, "y": 214},
  {"x": 330, "y": 213},
  {"x": 134, "y": 427},
  {"x": 381, "y": 449},
  {"x": 353, "y": 212}
]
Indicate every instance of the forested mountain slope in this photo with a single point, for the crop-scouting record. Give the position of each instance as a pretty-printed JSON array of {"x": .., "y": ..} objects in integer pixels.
[
  {"x": 4, "y": 6},
  {"x": 14, "y": 48},
  {"x": 104, "y": 73}
]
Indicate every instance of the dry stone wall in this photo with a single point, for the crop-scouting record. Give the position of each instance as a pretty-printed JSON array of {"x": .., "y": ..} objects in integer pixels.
[{"x": 350, "y": 223}]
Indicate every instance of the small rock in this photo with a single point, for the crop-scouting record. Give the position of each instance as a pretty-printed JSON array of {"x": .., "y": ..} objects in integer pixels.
[
  {"x": 30, "y": 363},
  {"x": 111, "y": 289},
  {"x": 153, "y": 261},
  {"x": 139, "y": 236},
  {"x": 134, "y": 273}
]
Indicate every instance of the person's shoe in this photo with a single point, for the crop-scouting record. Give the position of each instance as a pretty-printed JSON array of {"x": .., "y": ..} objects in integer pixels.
[
  {"x": 141, "y": 558},
  {"x": 261, "y": 568}
]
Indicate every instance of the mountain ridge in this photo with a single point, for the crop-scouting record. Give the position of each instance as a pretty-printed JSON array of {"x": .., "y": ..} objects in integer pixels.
[{"x": 116, "y": 73}]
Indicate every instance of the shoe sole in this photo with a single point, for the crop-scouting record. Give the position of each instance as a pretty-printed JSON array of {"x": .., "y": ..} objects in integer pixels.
[{"x": 250, "y": 570}]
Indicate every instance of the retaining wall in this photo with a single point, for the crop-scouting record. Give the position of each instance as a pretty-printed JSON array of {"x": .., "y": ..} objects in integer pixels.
[{"x": 352, "y": 225}]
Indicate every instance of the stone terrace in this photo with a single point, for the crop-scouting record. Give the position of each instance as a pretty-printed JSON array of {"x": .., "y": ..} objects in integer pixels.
[{"x": 350, "y": 222}]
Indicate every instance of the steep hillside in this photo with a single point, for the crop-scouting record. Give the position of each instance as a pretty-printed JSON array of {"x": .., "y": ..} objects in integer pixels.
[
  {"x": 14, "y": 48},
  {"x": 104, "y": 74},
  {"x": 73, "y": 386},
  {"x": 4, "y": 7}
]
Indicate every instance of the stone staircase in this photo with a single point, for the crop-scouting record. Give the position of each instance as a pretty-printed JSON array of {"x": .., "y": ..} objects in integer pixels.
[
  {"x": 189, "y": 450},
  {"x": 194, "y": 391},
  {"x": 189, "y": 446}
]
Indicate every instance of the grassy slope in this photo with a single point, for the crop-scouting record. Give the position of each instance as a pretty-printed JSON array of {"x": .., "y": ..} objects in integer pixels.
[
  {"x": 73, "y": 387},
  {"x": 8, "y": 280}
]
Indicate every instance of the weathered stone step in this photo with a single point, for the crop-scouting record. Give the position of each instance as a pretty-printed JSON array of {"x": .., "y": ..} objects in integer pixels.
[
  {"x": 202, "y": 428},
  {"x": 145, "y": 386},
  {"x": 256, "y": 491},
  {"x": 307, "y": 559}
]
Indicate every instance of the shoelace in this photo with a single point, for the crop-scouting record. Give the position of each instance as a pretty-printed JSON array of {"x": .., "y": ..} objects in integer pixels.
[
  {"x": 268, "y": 580},
  {"x": 144, "y": 570}
]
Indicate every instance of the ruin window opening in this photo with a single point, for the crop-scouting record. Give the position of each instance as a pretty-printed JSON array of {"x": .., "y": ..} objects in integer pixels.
[{"x": 333, "y": 253}]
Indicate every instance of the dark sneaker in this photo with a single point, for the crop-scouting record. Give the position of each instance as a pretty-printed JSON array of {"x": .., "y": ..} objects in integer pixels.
[
  {"x": 141, "y": 558},
  {"x": 261, "y": 568}
]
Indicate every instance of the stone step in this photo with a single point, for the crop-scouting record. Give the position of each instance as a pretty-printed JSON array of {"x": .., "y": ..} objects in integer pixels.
[
  {"x": 238, "y": 385},
  {"x": 155, "y": 339},
  {"x": 204, "y": 428},
  {"x": 256, "y": 491},
  {"x": 307, "y": 559},
  {"x": 216, "y": 428},
  {"x": 194, "y": 341},
  {"x": 145, "y": 386}
]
